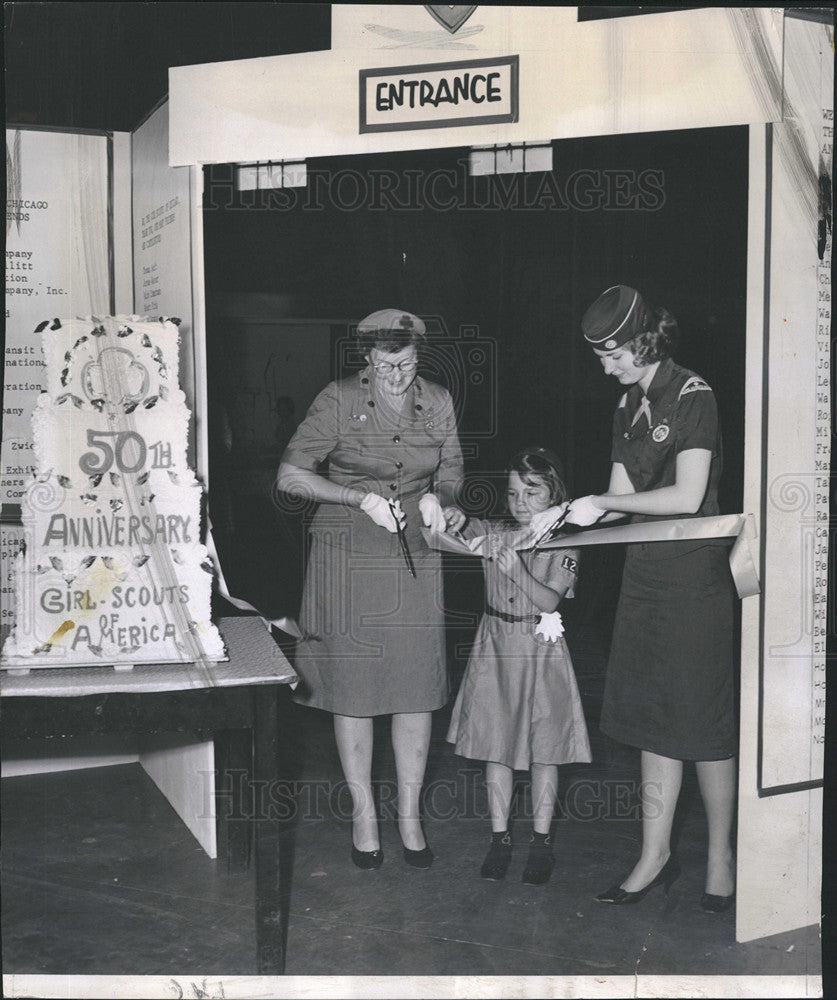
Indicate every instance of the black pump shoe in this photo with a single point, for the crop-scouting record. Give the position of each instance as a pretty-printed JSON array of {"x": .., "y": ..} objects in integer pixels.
[
  {"x": 497, "y": 861},
  {"x": 711, "y": 903},
  {"x": 367, "y": 859},
  {"x": 620, "y": 897},
  {"x": 539, "y": 864},
  {"x": 419, "y": 859}
]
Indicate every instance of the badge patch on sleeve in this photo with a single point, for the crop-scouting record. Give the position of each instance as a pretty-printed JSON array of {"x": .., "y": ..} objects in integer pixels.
[
  {"x": 695, "y": 384},
  {"x": 569, "y": 563}
]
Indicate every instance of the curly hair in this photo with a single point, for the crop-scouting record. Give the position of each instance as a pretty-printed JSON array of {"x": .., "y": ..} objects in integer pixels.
[
  {"x": 541, "y": 465},
  {"x": 658, "y": 341}
]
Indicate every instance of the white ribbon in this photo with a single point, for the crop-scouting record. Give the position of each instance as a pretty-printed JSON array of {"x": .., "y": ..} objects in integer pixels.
[
  {"x": 285, "y": 624},
  {"x": 741, "y": 527}
]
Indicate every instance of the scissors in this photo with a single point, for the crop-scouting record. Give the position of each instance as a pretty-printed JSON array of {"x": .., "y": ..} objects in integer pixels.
[
  {"x": 553, "y": 531},
  {"x": 402, "y": 541}
]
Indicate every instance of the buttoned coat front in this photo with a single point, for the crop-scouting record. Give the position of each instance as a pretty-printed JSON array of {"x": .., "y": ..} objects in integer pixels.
[{"x": 372, "y": 634}]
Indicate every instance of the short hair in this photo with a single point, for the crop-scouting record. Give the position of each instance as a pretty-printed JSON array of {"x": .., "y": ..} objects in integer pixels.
[
  {"x": 658, "y": 341},
  {"x": 545, "y": 465}
]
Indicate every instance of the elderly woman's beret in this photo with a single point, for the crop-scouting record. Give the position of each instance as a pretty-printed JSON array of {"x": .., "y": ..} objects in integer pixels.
[{"x": 388, "y": 321}]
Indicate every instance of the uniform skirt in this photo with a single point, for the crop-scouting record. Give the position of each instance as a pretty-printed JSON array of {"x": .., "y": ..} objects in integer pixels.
[
  {"x": 669, "y": 686},
  {"x": 372, "y": 635},
  {"x": 518, "y": 704}
]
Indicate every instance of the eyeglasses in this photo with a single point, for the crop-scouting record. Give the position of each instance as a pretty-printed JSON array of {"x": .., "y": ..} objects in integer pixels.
[{"x": 385, "y": 367}]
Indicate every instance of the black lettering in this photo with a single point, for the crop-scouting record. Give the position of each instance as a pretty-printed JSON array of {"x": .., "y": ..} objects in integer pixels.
[
  {"x": 474, "y": 98},
  {"x": 443, "y": 93},
  {"x": 460, "y": 88},
  {"x": 494, "y": 93}
]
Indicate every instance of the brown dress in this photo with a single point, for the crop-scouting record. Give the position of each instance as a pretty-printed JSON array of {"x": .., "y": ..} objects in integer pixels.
[
  {"x": 373, "y": 636},
  {"x": 518, "y": 703}
]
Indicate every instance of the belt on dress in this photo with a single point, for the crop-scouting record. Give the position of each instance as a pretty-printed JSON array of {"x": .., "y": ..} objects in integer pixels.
[{"x": 511, "y": 618}]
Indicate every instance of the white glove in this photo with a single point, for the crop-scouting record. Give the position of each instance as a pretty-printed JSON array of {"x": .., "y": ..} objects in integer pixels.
[
  {"x": 541, "y": 523},
  {"x": 550, "y": 626},
  {"x": 381, "y": 513},
  {"x": 431, "y": 512},
  {"x": 583, "y": 512},
  {"x": 455, "y": 519}
]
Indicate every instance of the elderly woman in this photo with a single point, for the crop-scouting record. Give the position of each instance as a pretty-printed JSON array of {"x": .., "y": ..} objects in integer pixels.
[
  {"x": 371, "y": 619},
  {"x": 669, "y": 686}
]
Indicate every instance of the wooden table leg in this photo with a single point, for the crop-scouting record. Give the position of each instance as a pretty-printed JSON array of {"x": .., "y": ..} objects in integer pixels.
[
  {"x": 272, "y": 892},
  {"x": 234, "y": 796}
]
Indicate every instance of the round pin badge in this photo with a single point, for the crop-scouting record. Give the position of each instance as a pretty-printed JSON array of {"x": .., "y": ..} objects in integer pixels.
[
  {"x": 609, "y": 345},
  {"x": 660, "y": 433}
]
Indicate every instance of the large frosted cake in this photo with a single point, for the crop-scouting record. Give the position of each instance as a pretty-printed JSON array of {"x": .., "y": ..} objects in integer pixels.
[{"x": 112, "y": 569}]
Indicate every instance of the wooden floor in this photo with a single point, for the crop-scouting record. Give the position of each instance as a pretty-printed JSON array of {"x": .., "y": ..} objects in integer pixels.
[{"x": 99, "y": 876}]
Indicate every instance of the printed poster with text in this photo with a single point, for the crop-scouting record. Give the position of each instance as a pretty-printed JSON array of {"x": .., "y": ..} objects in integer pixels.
[{"x": 56, "y": 265}]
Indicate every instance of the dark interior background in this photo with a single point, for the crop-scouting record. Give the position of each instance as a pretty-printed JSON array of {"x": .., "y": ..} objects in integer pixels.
[
  {"x": 105, "y": 65},
  {"x": 508, "y": 263}
]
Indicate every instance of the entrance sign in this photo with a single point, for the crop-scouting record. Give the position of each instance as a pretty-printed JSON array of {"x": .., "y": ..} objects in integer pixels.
[
  {"x": 113, "y": 570},
  {"x": 439, "y": 95}
]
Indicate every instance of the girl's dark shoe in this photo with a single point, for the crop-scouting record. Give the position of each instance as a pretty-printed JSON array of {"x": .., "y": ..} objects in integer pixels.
[
  {"x": 620, "y": 897},
  {"x": 716, "y": 904},
  {"x": 419, "y": 859},
  {"x": 497, "y": 860},
  {"x": 367, "y": 859},
  {"x": 540, "y": 862}
]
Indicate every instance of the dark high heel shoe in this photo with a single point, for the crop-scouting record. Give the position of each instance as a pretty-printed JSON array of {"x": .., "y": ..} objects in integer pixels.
[
  {"x": 539, "y": 863},
  {"x": 711, "y": 903},
  {"x": 419, "y": 859},
  {"x": 367, "y": 859},
  {"x": 620, "y": 897},
  {"x": 497, "y": 861}
]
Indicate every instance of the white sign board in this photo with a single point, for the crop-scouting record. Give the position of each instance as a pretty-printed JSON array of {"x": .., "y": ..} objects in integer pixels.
[{"x": 474, "y": 92}]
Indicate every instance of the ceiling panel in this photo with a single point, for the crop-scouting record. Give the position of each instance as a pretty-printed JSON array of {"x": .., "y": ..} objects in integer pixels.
[{"x": 105, "y": 65}]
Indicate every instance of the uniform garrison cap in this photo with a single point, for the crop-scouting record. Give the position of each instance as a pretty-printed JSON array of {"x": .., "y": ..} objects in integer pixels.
[
  {"x": 617, "y": 316},
  {"x": 386, "y": 321}
]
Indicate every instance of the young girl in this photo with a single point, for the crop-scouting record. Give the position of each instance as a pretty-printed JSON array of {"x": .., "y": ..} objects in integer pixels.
[{"x": 518, "y": 706}]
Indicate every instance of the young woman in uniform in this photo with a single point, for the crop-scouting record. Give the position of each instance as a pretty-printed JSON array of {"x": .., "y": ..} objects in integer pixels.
[{"x": 669, "y": 689}]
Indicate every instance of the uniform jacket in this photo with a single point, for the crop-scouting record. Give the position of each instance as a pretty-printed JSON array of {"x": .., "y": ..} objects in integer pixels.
[
  {"x": 684, "y": 415},
  {"x": 369, "y": 447}
]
